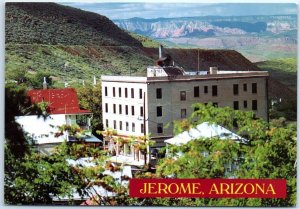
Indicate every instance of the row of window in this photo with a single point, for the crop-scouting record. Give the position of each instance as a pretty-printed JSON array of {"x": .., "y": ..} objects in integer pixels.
[
  {"x": 159, "y": 112},
  {"x": 159, "y": 109},
  {"x": 236, "y": 88},
  {"x": 120, "y": 109},
  {"x": 236, "y": 105},
  {"x": 119, "y": 126},
  {"x": 214, "y": 91},
  {"x": 127, "y": 128},
  {"x": 182, "y": 93},
  {"x": 114, "y": 92}
]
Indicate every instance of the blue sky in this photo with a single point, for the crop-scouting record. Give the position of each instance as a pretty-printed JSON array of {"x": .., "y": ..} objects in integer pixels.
[{"x": 155, "y": 10}]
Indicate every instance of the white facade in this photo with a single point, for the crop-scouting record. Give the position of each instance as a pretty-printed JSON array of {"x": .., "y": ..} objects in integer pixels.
[
  {"x": 169, "y": 98},
  {"x": 43, "y": 130}
]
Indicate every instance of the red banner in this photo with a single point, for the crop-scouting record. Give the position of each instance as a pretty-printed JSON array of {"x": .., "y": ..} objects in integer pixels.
[{"x": 208, "y": 188}]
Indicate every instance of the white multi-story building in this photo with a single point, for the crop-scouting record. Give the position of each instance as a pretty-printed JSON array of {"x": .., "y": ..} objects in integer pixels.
[{"x": 134, "y": 104}]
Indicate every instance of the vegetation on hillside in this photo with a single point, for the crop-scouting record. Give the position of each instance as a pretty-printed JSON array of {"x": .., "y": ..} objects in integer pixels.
[
  {"x": 50, "y": 23},
  {"x": 283, "y": 70},
  {"x": 74, "y": 63},
  {"x": 146, "y": 42}
]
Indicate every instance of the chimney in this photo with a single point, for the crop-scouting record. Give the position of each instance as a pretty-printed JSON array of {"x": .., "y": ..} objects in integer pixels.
[
  {"x": 45, "y": 85},
  {"x": 161, "y": 48},
  {"x": 213, "y": 70},
  {"x": 95, "y": 81}
]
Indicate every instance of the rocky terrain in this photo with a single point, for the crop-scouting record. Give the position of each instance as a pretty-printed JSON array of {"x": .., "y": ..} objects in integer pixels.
[{"x": 256, "y": 37}]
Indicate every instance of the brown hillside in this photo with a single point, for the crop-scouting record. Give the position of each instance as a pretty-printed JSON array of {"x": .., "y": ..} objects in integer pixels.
[
  {"x": 223, "y": 59},
  {"x": 50, "y": 23},
  {"x": 279, "y": 90}
]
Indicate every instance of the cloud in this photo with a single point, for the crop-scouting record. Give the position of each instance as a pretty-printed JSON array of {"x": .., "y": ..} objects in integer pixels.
[{"x": 168, "y": 10}]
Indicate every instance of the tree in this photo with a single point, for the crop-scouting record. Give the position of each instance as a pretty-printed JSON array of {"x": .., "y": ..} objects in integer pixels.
[
  {"x": 90, "y": 98},
  {"x": 37, "y": 178},
  {"x": 36, "y": 80}
]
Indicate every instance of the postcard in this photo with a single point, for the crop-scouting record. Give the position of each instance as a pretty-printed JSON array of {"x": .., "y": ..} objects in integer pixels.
[{"x": 150, "y": 104}]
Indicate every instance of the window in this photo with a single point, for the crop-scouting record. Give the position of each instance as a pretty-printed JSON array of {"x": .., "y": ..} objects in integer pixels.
[
  {"x": 158, "y": 93},
  {"x": 142, "y": 128},
  {"x": 106, "y": 107},
  {"x": 235, "y": 89},
  {"x": 127, "y": 126},
  {"x": 159, "y": 128},
  {"x": 132, "y": 92},
  {"x": 196, "y": 91},
  {"x": 159, "y": 111},
  {"x": 114, "y": 108},
  {"x": 132, "y": 110},
  {"x": 215, "y": 90},
  {"x": 120, "y": 125},
  {"x": 215, "y": 104},
  {"x": 183, "y": 113},
  {"x": 141, "y": 94},
  {"x": 245, "y": 87},
  {"x": 141, "y": 111},
  {"x": 205, "y": 89},
  {"x": 126, "y": 92},
  {"x": 236, "y": 105},
  {"x": 114, "y": 91},
  {"x": 120, "y": 92},
  {"x": 126, "y": 109},
  {"x": 254, "y": 88},
  {"x": 254, "y": 104},
  {"x": 196, "y": 109},
  {"x": 133, "y": 127},
  {"x": 182, "y": 95},
  {"x": 106, "y": 123},
  {"x": 120, "y": 109},
  {"x": 105, "y": 90},
  {"x": 115, "y": 124},
  {"x": 245, "y": 104}
]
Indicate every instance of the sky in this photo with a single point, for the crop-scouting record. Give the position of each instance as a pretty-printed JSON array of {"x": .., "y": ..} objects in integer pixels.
[{"x": 168, "y": 10}]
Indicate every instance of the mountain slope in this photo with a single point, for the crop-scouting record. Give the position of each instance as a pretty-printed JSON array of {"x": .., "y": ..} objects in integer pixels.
[
  {"x": 209, "y": 25},
  {"x": 50, "y": 23},
  {"x": 223, "y": 59},
  {"x": 283, "y": 70},
  {"x": 258, "y": 38}
]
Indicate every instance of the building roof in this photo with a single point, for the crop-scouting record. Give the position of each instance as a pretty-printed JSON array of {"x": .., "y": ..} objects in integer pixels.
[
  {"x": 204, "y": 130},
  {"x": 41, "y": 130},
  {"x": 187, "y": 77},
  {"x": 60, "y": 101}
]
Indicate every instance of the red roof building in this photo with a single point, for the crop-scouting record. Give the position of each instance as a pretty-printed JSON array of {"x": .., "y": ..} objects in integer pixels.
[{"x": 60, "y": 101}]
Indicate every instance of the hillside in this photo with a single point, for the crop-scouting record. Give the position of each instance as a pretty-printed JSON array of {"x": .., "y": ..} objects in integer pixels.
[
  {"x": 69, "y": 43},
  {"x": 258, "y": 38},
  {"x": 50, "y": 23},
  {"x": 223, "y": 59}
]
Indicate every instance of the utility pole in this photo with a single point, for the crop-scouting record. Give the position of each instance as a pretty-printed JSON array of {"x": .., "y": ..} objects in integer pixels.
[
  {"x": 198, "y": 63},
  {"x": 144, "y": 128}
]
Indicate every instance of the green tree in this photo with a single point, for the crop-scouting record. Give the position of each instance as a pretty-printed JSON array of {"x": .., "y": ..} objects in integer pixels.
[
  {"x": 90, "y": 98},
  {"x": 36, "y": 80}
]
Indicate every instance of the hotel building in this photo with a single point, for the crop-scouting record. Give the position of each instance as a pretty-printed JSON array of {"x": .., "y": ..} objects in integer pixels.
[{"x": 134, "y": 106}]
